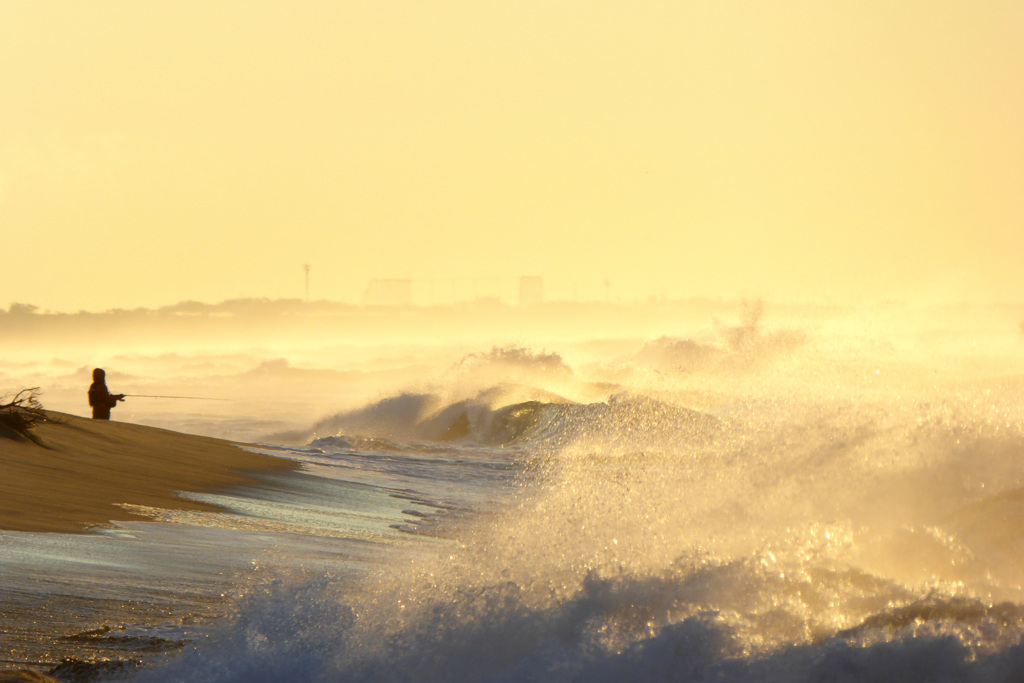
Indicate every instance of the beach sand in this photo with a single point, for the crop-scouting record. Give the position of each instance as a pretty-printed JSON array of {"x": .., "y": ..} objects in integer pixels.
[{"x": 84, "y": 469}]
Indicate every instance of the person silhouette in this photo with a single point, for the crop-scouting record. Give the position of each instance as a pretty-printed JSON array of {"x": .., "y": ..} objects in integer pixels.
[{"x": 100, "y": 398}]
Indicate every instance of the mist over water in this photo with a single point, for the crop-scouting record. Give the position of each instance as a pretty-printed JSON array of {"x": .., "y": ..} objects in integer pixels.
[{"x": 757, "y": 496}]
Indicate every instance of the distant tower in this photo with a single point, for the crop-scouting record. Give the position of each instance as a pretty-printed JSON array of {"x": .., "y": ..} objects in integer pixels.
[
  {"x": 531, "y": 290},
  {"x": 305, "y": 267}
]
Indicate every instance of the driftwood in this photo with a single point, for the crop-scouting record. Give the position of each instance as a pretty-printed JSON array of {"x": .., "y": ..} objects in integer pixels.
[{"x": 21, "y": 414}]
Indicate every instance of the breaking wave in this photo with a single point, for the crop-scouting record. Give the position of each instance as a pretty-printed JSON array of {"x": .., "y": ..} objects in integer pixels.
[
  {"x": 650, "y": 628},
  {"x": 804, "y": 543},
  {"x": 621, "y": 418},
  {"x": 733, "y": 348}
]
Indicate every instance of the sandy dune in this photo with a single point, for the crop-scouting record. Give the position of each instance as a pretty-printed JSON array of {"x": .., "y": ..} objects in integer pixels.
[{"x": 85, "y": 468}]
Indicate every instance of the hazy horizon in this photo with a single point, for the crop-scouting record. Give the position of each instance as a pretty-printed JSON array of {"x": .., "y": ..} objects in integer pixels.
[{"x": 268, "y": 305}]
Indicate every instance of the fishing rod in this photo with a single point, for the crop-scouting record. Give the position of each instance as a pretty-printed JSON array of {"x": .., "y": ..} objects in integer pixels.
[{"x": 190, "y": 398}]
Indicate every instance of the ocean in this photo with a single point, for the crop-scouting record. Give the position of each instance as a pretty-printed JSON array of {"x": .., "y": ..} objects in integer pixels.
[{"x": 833, "y": 496}]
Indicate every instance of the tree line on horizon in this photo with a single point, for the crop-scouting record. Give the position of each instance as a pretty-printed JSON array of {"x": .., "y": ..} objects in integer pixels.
[{"x": 265, "y": 305}]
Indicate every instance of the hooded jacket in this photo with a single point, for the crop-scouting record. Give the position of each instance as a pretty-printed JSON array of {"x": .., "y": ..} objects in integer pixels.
[{"x": 100, "y": 398}]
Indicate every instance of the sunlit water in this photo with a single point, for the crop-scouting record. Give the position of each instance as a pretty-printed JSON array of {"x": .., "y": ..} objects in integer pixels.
[{"x": 822, "y": 503}]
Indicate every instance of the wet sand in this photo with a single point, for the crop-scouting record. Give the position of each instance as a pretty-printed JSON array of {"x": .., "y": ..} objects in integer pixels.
[{"x": 84, "y": 470}]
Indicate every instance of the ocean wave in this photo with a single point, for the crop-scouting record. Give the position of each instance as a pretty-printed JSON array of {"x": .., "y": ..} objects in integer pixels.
[
  {"x": 807, "y": 542},
  {"x": 627, "y": 420},
  {"x": 506, "y": 358},
  {"x": 693, "y": 623},
  {"x": 741, "y": 347}
]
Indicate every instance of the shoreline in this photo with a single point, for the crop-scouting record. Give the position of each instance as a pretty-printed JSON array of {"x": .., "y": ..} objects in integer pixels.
[{"x": 83, "y": 471}]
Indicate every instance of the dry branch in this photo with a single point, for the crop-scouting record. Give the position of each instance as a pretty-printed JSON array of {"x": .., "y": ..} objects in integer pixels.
[{"x": 22, "y": 412}]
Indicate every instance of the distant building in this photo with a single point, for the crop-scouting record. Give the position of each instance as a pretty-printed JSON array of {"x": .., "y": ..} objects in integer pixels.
[
  {"x": 531, "y": 290},
  {"x": 396, "y": 292}
]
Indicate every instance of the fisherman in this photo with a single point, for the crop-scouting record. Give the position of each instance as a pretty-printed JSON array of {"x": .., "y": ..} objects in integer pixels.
[{"x": 100, "y": 398}]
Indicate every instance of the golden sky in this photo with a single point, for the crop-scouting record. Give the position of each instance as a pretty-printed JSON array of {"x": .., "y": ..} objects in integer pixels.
[{"x": 157, "y": 151}]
